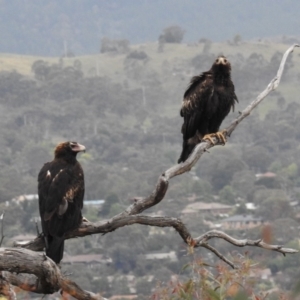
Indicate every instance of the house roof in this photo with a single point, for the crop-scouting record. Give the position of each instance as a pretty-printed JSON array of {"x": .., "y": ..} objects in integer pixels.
[
  {"x": 93, "y": 202},
  {"x": 203, "y": 206},
  {"x": 165, "y": 255},
  {"x": 24, "y": 197},
  {"x": 261, "y": 273},
  {"x": 265, "y": 175},
  {"x": 241, "y": 218},
  {"x": 129, "y": 278},
  {"x": 23, "y": 237},
  {"x": 250, "y": 206},
  {"x": 121, "y": 297},
  {"x": 86, "y": 258}
]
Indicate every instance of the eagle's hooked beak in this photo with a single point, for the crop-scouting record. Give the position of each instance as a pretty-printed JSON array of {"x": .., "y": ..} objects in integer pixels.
[
  {"x": 78, "y": 148},
  {"x": 222, "y": 61}
]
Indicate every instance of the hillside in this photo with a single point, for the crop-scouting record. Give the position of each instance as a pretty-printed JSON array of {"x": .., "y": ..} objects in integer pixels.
[
  {"x": 56, "y": 27},
  {"x": 174, "y": 65},
  {"x": 123, "y": 105},
  {"x": 111, "y": 63}
]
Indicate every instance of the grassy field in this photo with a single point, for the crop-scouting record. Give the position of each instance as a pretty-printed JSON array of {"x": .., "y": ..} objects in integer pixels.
[{"x": 112, "y": 65}]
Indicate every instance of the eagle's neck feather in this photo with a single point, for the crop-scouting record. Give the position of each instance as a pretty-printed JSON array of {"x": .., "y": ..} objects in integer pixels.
[{"x": 221, "y": 78}]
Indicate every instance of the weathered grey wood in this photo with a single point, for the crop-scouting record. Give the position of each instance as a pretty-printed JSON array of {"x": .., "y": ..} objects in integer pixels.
[
  {"x": 48, "y": 278},
  {"x": 6, "y": 289}
]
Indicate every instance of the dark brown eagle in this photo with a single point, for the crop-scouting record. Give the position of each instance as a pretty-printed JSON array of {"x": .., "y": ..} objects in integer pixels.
[
  {"x": 61, "y": 191},
  {"x": 206, "y": 103}
]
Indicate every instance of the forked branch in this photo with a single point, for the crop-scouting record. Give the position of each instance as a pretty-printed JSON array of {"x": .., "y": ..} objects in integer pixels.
[
  {"x": 131, "y": 214},
  {"x": 48, "y": 278}
]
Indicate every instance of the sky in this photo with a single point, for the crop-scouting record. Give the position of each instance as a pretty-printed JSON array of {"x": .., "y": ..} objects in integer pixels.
[{"x": 41, "y": 27}]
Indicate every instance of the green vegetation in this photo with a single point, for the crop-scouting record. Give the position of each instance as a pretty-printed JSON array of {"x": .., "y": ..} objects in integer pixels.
[{"x": 124, "y": 107}]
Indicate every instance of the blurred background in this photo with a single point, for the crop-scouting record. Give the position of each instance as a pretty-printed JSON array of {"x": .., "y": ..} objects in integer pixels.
[{"x": 111, "y": 75}]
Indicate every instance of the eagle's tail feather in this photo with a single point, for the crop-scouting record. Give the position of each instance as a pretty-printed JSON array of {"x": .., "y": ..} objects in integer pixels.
[
  {"x": 187, "y": 149},
  {"x": 55, "y": 248}
]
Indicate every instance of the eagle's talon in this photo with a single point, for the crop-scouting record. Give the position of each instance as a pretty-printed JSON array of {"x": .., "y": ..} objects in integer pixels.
[
  {"x": 208, "y": 137},
  {"x": 85, "y": 220},
  {"x": 221, "y": 135}
]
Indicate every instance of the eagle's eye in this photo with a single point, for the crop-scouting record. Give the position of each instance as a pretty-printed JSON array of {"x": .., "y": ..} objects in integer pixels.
[
  {"x": 217, "y": 60},
  {"x": 73, "y": 144},
  {"x": 225, "y": 60}
]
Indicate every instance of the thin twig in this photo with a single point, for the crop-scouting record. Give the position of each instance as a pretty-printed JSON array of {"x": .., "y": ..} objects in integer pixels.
[
  {"x": 217, "y": 253},
  {"x": 2, "y": 228},
  {"x": 37, "y": 227},
  {"x": 242, "y": 243}
]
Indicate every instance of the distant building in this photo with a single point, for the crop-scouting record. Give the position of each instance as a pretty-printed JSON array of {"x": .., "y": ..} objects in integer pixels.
[
  {"x": 267, "y": 179},
  {"x": 22, "y": 198},
  {"x": 131, "y": 280},
  {"x": 94, "y": 203},
  {"x": 241, "y": 222},
  {"x": 123, "y": 297},
  {"x": 213, "y": 208},
  {"x": 162, "y": 255},
  {"x": 23, "y": 238},
  {"x": 30, "y": 197},
  {"x": 264, "y": 274},
  {"x": 265, "y": 175},
  {"x": 250, "y": 206},
  {"x": 87, "y": 259}
]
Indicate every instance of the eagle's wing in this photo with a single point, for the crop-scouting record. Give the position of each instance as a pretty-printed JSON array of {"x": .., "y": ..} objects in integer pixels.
[
  {"x": 194, "y": 103},
  {"x": 58, "y": 190},
  {"x": 235, "y": 98}
]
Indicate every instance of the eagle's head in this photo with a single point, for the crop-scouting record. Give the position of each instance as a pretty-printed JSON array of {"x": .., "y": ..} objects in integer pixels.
[
  {"x": 221, "y": 64},
  {"x": 66, "y": 149}
]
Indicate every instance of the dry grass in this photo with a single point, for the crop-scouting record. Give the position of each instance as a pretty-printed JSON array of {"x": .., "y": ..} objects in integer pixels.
[{"x": 111, "y": 65}]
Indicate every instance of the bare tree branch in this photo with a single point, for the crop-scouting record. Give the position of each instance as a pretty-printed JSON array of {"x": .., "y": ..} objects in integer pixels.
[
  {"x": 217, "y": 253},
  {"x": 242, "y": 243},
  {"x": 131, "y": 214},
  {"x": 48, "y": 278},
  {"x": 271, "y": 87},
  {"x": 2, "y": 228},
  {"x": 88, "y": 228}
]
